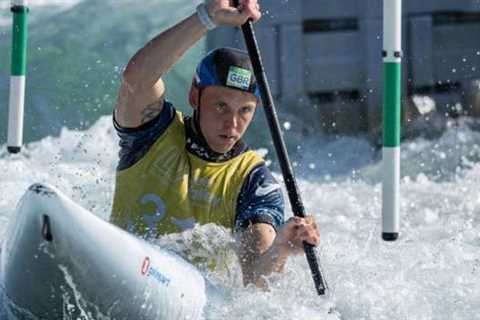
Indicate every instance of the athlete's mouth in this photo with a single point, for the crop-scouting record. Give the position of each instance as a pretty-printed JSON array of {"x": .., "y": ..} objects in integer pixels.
[{"x": 227, "y": 137}]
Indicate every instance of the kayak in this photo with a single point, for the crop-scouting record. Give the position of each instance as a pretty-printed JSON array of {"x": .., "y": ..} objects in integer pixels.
[{"x": 60, "y": 261}]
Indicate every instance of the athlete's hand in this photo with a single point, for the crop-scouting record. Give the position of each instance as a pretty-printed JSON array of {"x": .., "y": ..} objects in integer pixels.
[
  {"x": 296, "y": 230},
  {"x": 223, "y": 12}
]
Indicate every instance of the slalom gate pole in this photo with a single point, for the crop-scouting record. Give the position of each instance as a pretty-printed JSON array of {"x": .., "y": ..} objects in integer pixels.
[
  {"x": 291, "y": 185},
  {"x": 392, "y": 55},
  {"x": 20, "y": 10}
]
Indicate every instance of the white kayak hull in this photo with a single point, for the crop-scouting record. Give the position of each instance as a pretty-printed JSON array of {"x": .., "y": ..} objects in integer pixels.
[{"x": 59, "y": 261}]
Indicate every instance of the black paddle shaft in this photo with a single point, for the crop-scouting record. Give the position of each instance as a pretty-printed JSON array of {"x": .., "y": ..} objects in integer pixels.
[{"x": 287, "y": 172}]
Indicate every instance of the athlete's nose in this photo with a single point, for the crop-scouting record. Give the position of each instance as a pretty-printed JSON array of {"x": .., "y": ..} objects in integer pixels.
[{"x": 231, "y": 120}]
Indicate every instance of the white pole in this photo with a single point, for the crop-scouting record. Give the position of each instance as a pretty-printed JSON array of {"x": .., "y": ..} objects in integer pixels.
[
  {"x": 19, "y": 9},
  {"x": 392, "y": 48}
]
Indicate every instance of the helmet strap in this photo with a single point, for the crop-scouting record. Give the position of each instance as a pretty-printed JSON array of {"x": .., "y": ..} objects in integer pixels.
[{"x": 196, "y": 116}]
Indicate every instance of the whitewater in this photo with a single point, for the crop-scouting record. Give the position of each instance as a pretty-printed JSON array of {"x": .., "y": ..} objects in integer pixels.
[{"x": 431, "y": 272}]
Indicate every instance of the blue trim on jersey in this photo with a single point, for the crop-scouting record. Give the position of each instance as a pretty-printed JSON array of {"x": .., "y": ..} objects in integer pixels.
[{"x": 260, "y": 200}]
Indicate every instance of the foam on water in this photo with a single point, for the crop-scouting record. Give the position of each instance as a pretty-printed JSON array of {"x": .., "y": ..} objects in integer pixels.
[{"x": 431, "y": 272}]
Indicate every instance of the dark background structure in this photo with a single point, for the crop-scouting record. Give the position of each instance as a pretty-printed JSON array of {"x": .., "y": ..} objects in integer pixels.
[{"x": 325, "y": 57}]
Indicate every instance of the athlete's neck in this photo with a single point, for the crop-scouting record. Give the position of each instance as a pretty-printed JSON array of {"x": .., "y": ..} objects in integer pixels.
[{"x": 197, "y": 145}]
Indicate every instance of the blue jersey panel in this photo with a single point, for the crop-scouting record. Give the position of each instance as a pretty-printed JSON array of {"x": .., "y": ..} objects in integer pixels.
[{"x": 260, "y": 200}]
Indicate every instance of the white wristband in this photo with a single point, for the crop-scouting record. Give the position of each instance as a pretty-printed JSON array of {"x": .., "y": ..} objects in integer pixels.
[{"x": 204, "y": 17}]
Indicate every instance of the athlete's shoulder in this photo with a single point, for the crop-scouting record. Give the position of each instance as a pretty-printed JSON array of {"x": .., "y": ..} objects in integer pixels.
[
  {"x": 260, "y": 200},
  {"x": 261, "y": 177},
  {"x": 136, "y": 142}
]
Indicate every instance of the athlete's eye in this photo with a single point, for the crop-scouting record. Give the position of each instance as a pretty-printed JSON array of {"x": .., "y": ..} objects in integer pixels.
[
  {"x": 246, "y": 109},
  {"x": 221, "y": 107}
]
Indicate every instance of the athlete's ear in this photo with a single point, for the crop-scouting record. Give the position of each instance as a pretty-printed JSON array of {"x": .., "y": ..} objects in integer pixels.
[{"x": 193, "y": 95}]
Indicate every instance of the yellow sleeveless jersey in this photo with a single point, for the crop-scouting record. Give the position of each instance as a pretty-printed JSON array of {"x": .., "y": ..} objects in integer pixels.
[{"x": 170, "y": 189}]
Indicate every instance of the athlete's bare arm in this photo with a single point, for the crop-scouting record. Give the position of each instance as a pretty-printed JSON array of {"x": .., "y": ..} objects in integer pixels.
[
  {"x": 142, "y": 91},
  {"x": 262, "y": 251}
]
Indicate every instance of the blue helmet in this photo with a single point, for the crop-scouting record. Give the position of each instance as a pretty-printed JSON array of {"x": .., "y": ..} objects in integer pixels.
[{"x": 227, "y": 67}]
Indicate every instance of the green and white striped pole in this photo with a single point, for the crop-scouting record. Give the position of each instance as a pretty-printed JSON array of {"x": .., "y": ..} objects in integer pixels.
[
  {"x": 19, "y": 9},
  {"x": 392, "y": 53}
]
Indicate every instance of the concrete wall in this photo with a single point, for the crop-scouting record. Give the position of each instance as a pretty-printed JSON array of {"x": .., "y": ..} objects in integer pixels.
[{"x": 325, "y": 57}]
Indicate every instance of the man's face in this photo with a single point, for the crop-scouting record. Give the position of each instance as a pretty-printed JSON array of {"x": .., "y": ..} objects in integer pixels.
[{"x": 225, "y": 115}]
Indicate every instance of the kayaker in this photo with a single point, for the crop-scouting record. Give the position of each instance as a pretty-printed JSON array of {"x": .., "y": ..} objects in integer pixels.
[{"x": 176, "y": 171}]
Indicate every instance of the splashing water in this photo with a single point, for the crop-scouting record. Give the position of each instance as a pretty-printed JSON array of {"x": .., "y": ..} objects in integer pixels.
[{"x": 431, "y": 272}]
